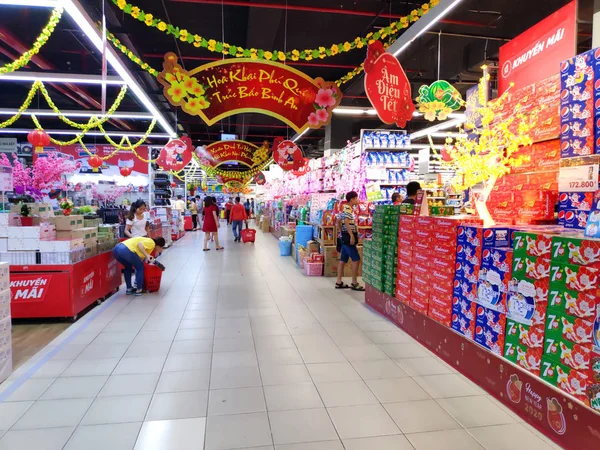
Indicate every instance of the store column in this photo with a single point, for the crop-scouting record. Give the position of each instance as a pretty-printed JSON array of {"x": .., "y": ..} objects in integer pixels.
[{"x": 596, "y": 25}]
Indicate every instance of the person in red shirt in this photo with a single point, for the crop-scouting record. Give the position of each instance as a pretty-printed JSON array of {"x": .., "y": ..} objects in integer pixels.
[
  {"x": 228, "y": 207},
  {"x": 238, "y": 216}
]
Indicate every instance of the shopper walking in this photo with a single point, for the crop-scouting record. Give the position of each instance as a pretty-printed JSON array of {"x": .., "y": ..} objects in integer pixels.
[
  {"x": 194, "y": 211},
  {"x": 132, "y": 253},
  {"x": 211, "y": 224},
  {"x": 200, "y": 207},
  {"x": 136, "y": 224},
  {"x": 349, "y": 237},
  {"x": 228, "y": 207},
  {"x": 180, "y": 204},
  {"x": 238, "y": 216}
]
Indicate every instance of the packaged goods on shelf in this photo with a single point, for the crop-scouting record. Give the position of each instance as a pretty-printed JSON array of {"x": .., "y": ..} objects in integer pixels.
[{"x": 67, "y": 223}]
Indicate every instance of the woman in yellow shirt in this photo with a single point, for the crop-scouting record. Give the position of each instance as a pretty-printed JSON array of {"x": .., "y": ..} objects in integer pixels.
[{"x": 132, "y": 253}]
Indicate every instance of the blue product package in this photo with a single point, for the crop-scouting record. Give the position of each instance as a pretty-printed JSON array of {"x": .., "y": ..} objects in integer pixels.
[
  {"x": 385, "y": 142},
  {"x": 575, "y": 219}
]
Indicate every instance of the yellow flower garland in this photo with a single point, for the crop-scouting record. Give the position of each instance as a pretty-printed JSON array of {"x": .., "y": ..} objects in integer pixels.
[
  {"x": 240, "y": 52},
  {"x": 43, "y": 37}
]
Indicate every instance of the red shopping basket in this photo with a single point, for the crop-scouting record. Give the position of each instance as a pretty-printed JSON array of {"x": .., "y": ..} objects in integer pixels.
[
  {"x": 248, "y": 235},
  {"x": 152, "y": 277}
]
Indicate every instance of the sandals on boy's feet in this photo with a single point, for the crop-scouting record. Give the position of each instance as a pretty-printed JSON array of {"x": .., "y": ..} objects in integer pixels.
[
  {"x": 357, "y": 287},
  {"x": 341, "y": 285},
  {"x": 220, "y": 248},
  {"x": 206, "y": 249}
]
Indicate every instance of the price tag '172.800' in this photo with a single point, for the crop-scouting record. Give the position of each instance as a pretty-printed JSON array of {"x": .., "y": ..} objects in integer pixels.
[{"x": 578, "y": 178}]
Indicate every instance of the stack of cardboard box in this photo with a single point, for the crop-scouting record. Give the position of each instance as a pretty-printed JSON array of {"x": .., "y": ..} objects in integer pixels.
[
  {"x": 5, "y": 323},
  {"x": 381, "y": 252},
  {"x": 571, "y": 358}
]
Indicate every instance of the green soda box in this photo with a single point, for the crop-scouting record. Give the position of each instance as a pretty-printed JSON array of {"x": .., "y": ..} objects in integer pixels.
[
  {"x": 528, "y": 358},
  {"x": 527, "y": 243},
  {"x": 533, "y": 267},
  {"x": 576, "y": 356},
  {"x": 562, "y": 327},
  {"x": 571, "y": 381},
  {"x": 576, "y": 303},
  {"x": 574, "y": 278},
  {"x": 527, "y": 335},
  {"x": 569, "y": 249}
]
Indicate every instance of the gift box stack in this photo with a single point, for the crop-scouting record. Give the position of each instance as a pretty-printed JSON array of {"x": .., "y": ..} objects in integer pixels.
[
  {"x": 380, "y": 253},
  {"x": 528, "y": 299},
  {"x": 571, "y": 345},
  {"x": 405, "y": 265},
  {"x": 5, "y": 323},
  {"x": 471, "y": 245},
  {"x": 20, "y": 245},
  {"x": 578, "y": 112}
]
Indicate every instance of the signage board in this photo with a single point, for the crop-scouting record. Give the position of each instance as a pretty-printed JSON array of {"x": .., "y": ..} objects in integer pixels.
[
  {"x": 578, "y": 178},
  {"x": 535, "y": 54}
]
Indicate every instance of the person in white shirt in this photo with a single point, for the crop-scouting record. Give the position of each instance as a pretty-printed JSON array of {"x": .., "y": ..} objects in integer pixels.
[
  {"x": 136, "y": 224},
  {"x": 180, "y": 204}
]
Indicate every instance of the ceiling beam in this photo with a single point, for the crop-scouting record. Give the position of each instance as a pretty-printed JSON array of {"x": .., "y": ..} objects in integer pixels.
[{"x": 349, "y": 12}]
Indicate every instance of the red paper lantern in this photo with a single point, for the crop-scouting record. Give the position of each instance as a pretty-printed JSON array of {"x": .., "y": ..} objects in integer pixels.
[
  {"x": 95, "y": 162},
  {"x": 125, "y": 171},
  {"x": 39, "y": 139}
]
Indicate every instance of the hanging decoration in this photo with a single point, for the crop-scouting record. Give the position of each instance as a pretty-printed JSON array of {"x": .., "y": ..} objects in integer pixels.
[
  {"x": 438, "y": 100},
  {"x": 303, "y": 170},
  {"x": 40, "y": 41},
  {"x": 176, "y": 154},
  {"x": 491, "y": 150},
  {"x": 241, "y": 152},
  {"x": 224, "y": 88},
  {"x": 287, "y": 155},
  {"x": 144, "y": 66},
  {"x": 387, "y": 86},
  {"x": 260, "y": 178},
  {"x": 320, "y": 52},
  {"x": 95, "y": 162},
  {"x": 125, "y": 171},
  {"x": 39, "y": 139}
]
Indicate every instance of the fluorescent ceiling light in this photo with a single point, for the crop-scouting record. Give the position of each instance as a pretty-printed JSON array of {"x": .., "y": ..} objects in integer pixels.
[
  {"x": 59, "y": 78},
  {"x": 450, "y": 116},
  {"x": 44, "y": 3},
  {"x": 437, "y": 13},
  {"x": 50, "y": 113},
  {"x": 441, "y": 126},
  {"x": 89, "y": 133},
  {"x": 86, "y": 25},
  {"x": 351, "y": 111},
  {"x": 300, "y": 135},
  {"x": 452, "y": 135}
]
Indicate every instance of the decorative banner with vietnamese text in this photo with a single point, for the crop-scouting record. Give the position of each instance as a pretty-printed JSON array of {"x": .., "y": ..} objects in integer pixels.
[
  {"x": 387, "y": 86},
  {"x": 176, "y": 154},
  {"x": 242, "y": 152},
  {"x": 233, "y": 86}
]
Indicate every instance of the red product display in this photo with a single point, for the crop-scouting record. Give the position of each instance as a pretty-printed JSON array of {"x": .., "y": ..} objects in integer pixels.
[{"x": 42, "y": 291}]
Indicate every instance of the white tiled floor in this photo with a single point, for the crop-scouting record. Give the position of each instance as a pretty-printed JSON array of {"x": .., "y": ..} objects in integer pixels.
[{"x": 239, "y": 350}]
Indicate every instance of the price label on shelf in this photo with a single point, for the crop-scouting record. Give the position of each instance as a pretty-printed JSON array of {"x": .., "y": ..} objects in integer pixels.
[
  {"x": 6, "y": 179},
  {"x": 375, "y": 173},
  {"x": 578, "y": 178}
]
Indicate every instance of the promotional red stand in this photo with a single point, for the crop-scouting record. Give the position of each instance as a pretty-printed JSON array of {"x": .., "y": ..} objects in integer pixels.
[
  {"x": 559, "y": 416},
  {"x": 62, "y": 290}
]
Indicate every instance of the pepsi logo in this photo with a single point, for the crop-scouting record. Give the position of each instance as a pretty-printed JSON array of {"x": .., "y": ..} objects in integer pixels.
[
  {"x": 454, "y": 317},
  {"x": 564, "y": 66},
  {"x": 461, "y": 230},
  {"x": 564, "y": 94},
  {"x": 456, "y": 283},
  {"x": 455, "y": 301},
  {"x": 598, "y": 123},
  {"x": 597, "y": 104},
  {"x": 563, "y": 198},
  {"x": 564, "y": 146},
  {"x": 597, "y": 85},
  {"x": 479, "y": 330},
  {"x": 480, "y": 311},
  {"x": 458, "y": 266},
  {"x": 486, "y": 254},
  {"x": 565, "y": 129},
  {"x": 460, "y": 249},
  {"x": 564, "y": 112},
  {"x": 598, "y": 142},
  {"x": 569, "y": 216},
  {"x": 561, "y": 215},
  {"x": 597, "y": 54},
  {"x": 488, "y": 234}
]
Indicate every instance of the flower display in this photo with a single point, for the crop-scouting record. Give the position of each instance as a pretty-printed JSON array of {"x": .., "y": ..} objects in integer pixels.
[
  {"x": 325, "y": 98},
  {"x": 322, "y": 115},
  {"x": 313, "y": 120}
]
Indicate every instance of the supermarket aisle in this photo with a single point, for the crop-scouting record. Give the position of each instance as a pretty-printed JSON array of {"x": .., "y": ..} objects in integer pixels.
[{"x": 240, "y": 350}]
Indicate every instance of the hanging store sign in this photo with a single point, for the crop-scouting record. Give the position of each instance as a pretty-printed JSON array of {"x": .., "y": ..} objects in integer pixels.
[
  {"x": 536, "y": 54},
  {"x": 287, "y": 155},
  {"x": 241, "y": 85},
  {"x": 387, "y": 86},
  {"x": 240, "y": 152}
]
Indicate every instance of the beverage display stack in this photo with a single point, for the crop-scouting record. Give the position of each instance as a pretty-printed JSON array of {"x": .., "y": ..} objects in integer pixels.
[{"x": 380, "y": 253}]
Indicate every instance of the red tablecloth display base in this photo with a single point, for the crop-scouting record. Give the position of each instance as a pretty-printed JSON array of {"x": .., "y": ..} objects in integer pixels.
[
  {"x": 559, "y": 416},
  {"x": 62, "y": 290}
]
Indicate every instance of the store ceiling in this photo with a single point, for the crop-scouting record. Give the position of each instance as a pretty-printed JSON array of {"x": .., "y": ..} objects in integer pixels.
[{"x": 471, "y": 34}]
